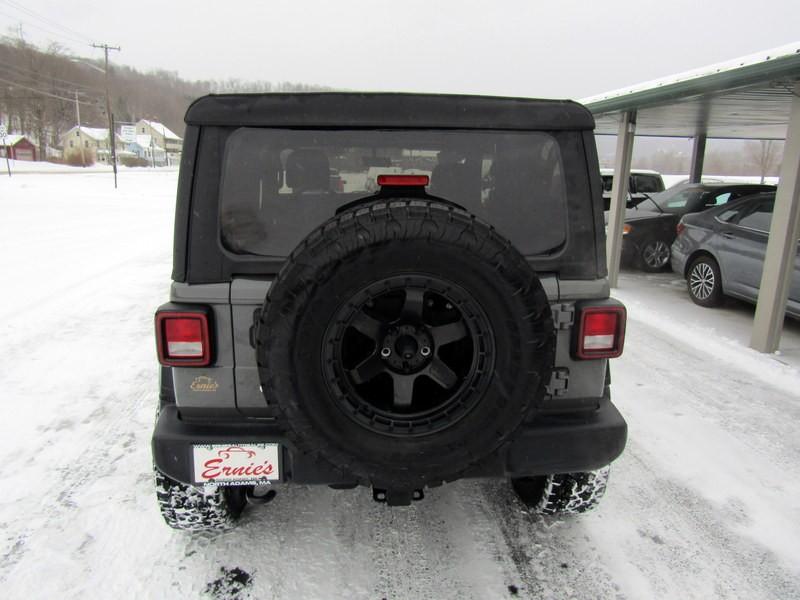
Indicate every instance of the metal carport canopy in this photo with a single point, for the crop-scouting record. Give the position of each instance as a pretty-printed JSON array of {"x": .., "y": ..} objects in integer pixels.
[
  {"x": 746, "y": 98},
  {"x": 753, "y": 97}
]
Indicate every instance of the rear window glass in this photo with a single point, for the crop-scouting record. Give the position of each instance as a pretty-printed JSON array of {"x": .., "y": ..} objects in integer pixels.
[
  {"x": 279, "y": 184},
  {"x": 676, "y": 202}
]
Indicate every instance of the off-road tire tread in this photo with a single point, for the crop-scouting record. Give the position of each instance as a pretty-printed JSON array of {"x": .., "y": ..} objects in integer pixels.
[
  {"x": 190, "y": 508},
  {"x": 567, "y": 493},
  {"x": 341, "y": 240}
]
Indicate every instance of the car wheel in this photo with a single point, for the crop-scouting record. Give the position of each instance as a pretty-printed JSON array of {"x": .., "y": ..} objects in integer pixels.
[
  {"x": 704, "y": 282},
  {"x": 563, "y": 493},
  {"x": 404, "y": 342},
  {"x": 655, "y": 255}
]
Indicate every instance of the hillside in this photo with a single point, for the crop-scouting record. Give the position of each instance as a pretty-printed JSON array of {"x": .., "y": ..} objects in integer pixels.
[{"x": 38, "y": 88}]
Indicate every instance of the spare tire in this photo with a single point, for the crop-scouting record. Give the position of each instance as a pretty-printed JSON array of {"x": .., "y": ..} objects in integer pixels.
[{"x": 404, "y": 342}]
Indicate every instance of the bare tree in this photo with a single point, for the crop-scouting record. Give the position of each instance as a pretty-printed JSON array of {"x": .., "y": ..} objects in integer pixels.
[
  {"x": 38, "y": 91},
  {"x": 764, "y": 155}
]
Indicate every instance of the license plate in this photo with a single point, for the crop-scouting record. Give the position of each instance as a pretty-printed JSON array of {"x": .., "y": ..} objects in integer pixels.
[{"x": 236, "y": 464}]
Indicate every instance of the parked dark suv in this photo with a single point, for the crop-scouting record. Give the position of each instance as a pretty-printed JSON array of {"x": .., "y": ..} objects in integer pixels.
[{"x": 451, "y": 321}]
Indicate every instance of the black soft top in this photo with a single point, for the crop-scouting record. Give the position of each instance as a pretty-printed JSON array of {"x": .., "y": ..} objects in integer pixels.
[{"x": 394, "y": 110}]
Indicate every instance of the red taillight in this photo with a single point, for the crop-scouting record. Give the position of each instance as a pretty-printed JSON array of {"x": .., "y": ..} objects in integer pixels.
[
  {"x": 404, "y": 180},
  {"x": 183, "y": 339},
  {"x": 680, "y": 227},
  {"x": 601, "y": 332}
]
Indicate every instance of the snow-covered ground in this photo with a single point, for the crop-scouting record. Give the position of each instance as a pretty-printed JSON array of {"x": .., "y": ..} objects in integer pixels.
[
  {"x": 670, "y": 180},
  {"x": 26, "y": 167},
  {"x": 704, "y": 503}
]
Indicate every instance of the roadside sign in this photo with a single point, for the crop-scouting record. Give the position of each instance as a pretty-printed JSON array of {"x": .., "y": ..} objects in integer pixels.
[
  {"x": 3, "y": 131},
  {"x": 127, "y": 133}
]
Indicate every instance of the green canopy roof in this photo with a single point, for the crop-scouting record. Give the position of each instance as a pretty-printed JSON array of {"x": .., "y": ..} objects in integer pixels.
[{"x": 745, "y": 98}]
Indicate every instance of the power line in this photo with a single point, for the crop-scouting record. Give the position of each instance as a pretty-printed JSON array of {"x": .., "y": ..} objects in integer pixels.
[
  {"x": 48, "y": 87},
  {"x": 41, "y": 81},
  {"x": 39, "y": 73},
  {"x": 6, "y": 98},
  {"x": 62, "y": 36},
  {"x": 43, "y": 78},
  {"x": 43, "y": 93},
  {"x": 50, "y": 22}
]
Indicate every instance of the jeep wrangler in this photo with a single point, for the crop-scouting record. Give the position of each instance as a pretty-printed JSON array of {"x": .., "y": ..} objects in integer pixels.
[{"x": 385, "y": 290}]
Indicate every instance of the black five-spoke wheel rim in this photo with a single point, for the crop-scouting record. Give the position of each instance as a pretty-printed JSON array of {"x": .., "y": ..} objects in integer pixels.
[{"x": 408, "y": 355}]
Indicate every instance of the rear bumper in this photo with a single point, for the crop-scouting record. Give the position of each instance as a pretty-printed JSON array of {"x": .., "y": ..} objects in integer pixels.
[
  {"x": 677, "y": 260},
  {"x": 552, "y": 444},
  {"x": 630, "y": 252}
]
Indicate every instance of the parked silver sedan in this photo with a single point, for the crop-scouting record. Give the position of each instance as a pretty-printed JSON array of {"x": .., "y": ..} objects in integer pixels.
[{"x": 721, "y": 252}]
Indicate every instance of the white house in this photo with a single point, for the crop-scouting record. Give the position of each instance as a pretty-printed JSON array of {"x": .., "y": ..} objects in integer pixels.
[
  {"x": 93, "y": 141},
  {"x": 146, "y": 148},
  {"x": 163, "y": 137}
]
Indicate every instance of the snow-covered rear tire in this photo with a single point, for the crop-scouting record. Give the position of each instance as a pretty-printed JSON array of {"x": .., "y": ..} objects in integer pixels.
[
  {"x": 193, "y": 509},
  {"x": 563, "y": 493}
]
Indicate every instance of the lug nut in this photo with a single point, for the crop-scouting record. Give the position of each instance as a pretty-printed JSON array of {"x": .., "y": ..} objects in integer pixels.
[
  {"x": 386, "y": 352},
  {"x": 425, "y": 351},
  {"x": 448, "y": 306}
]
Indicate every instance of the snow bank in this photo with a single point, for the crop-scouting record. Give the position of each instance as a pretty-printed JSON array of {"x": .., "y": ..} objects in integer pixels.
[
  {"x": 27, "y": 167},
  {"x": 709, "y": 339},
  {"x": 670, "y": 180}
]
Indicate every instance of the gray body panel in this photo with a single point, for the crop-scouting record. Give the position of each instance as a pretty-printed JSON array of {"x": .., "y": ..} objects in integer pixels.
[
  {"x": 203, "y": 389},
  {"x": 235, "y": 383}
]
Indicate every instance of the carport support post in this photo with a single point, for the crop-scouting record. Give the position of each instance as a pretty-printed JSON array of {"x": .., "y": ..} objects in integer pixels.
[
  {"x": 619, "y": 195},
  {"x": 698, "y": 155},
  {"x": 782, "y": 245}
]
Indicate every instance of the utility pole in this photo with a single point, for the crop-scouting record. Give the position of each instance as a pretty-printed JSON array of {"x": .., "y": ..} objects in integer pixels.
[
  {"x": 106, "y": 48},
  {"x": 80, "y": 137},
  {"x": 6, "y": 148}
]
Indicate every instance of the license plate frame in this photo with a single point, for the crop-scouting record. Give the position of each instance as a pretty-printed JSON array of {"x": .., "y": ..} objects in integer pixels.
[{"x": 236, "y": 464}]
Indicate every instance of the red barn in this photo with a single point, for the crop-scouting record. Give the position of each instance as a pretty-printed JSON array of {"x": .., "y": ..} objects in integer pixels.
[{"x": 17, "y": 147}]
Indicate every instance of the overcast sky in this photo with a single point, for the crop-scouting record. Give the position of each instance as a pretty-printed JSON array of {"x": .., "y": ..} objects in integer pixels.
[{"x": 560, "y": 49}]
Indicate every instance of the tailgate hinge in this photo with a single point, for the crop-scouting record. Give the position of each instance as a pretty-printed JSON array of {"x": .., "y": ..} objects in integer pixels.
[
  {"x": 559, "y": 382},
  {"x": 563, "y": 315}
]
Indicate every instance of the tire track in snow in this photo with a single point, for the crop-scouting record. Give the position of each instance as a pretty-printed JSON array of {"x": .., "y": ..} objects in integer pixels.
[
  {"x": 683, "y": 544},
  {"x": 56, "y": 502},
  {"x": 710, "y": 473},
  {"x": 426, "y": 550},
  {"x": 547, "y": 557},
  {"x": 109, "y": 418}
]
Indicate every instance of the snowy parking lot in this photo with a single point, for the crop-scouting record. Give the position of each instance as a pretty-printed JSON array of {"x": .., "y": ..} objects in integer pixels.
[{"x": 704, "y": 503}]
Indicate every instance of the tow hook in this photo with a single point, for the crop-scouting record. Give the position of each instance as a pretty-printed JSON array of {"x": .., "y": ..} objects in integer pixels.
[
  {"x": 397, "y": 497},
  {"x": 259, "y": 499}
]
